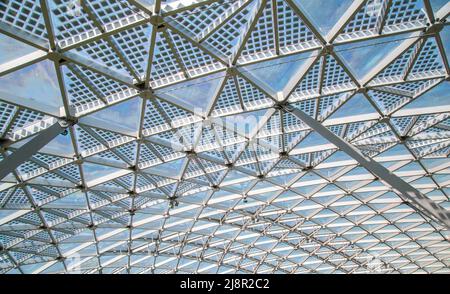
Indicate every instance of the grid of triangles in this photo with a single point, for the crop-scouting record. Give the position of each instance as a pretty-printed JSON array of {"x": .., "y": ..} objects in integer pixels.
[{"x": 153, "y": 178}]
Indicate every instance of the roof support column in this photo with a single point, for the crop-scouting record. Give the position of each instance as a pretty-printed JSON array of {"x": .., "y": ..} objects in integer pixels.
[
  {"x": 24, "y": 153},
  {"x": 405, "y": 190}
]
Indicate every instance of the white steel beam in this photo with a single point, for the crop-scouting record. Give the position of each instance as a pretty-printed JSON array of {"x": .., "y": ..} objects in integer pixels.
[
  {"x": 175, "y": 7},
  {"x": 306, "y": 20},
  {"x": 420, "y": 201},
  {"x": 443, "y": 12},
  {"x": 23, "y": 37},
  {"x": 253, "y": 20},
  {"x": 98, "y": 68},
  {"x": 21, "y": 62},
  {"x": 429, "y": 10},
  {"x": 10, "y": 163},
  {"x": 48, "y": 23},
  {"x": 93, "y": 35},
  {"x": 388, "y": 59},
  {"x": 32, "y": 104},
  {"x": 344, "y": 20},
  {"x": 144, "y": 6}
]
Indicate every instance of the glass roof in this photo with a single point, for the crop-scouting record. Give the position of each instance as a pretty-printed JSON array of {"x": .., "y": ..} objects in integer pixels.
[{"x": 177, "y": 153}]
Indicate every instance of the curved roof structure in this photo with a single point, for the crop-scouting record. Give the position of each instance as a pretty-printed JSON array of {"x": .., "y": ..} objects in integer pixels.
[{"x": 230, "y": 136}]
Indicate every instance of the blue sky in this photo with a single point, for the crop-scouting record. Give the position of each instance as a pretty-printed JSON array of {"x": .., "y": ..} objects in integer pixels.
[
  {"x": 362, "y": 56},
  {"x": 277, "y": 73},
  {"x": 324, "y": 14},
  {"x": 11, "y": 49},
  {"x": 125, "y": 115},
  {"x": 437, "y": 96},
  {"x": 36, "y": 82}
]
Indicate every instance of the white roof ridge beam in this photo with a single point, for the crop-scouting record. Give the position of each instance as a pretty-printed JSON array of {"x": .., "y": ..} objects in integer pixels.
[{"x": 48, "y": 23}]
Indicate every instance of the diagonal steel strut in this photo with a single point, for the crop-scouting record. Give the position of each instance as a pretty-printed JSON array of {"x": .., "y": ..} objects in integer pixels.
[
  {"x": 405, "y": 190},
  {"x": 24, "y": 153}
]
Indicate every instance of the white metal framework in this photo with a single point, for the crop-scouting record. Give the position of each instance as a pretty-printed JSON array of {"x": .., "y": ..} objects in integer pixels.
[{"x": 230, "y": 136}]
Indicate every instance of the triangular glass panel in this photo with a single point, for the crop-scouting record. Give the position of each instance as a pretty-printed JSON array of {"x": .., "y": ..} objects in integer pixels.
[
  {"x": 324, "y": 16},
  {"x": 309, "y": 84},
  {"x": 226, "y": 40},
  {"x": 135, "y": 45},
  {"x": 197, "y": 95},
  {"x": 123, "y": 116},
  {"x": 401, "y": 13},
  {"x": 252, "y": 97},
  {"x": 169, "y": 169},
  {"x": 261, "y": 42},
  {"x": 103, "y": 53},
  {"x": 36, "y": 85},
  {"x": 28, "y": 21},
  {"x": 437, "y": 96},
  {"x": 286, "y": 68},
  {"x": 357, "y": 105},
  {"x": 228, "y": 101},
  {"x": 335, "y": 76},
  {"x": 195, "y": 60},
  {"x": 165, "y": 68},
  {"x": 294, "y": 35},
  {"x": 365, "y": 55},
  {"x": 95, "y": 171},
  {"x": 366, "y": 22},
  {"x": 429, "y": 59},
  {"x": 12, "y": 49}
]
